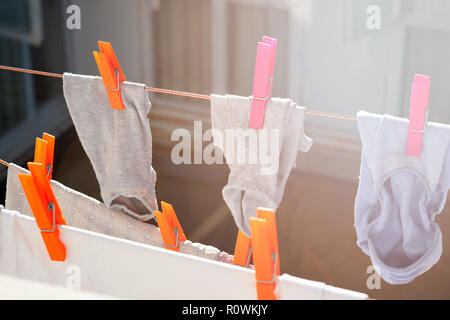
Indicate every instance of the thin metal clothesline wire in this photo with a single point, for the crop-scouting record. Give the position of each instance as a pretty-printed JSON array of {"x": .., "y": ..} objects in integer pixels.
[{"x": 166, "y": 91}]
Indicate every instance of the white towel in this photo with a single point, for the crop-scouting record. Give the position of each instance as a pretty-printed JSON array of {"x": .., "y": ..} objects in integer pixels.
[
  {"x": 400, "y": 195},
  {"x": 293, "y": 288},
  {"x": 121, "y": 268},
  {"x": 84, "y": 212}
]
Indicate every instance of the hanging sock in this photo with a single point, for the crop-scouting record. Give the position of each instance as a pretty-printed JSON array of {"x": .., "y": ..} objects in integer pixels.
[
  {"x": 260, "y": 161},
  {"x": 400, "y": 195},
  {"x": 117, "y": 142}
]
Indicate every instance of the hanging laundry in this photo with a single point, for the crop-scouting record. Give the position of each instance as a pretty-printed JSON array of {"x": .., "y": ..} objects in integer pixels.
[
  {"x": 117, "y": 142},
  {"x": 116, "y": 267},
  {"x": 120, "y": 268},
  {"x": 260, "y": 161},
  {"x": 84, "y": 212},
  {"x": 399, "y": 196}
]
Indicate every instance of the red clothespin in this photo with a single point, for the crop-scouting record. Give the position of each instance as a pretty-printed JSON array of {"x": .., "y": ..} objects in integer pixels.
[
  {"x": 263, "y": 80},
  {"x": 111, "y": 73},
  {"x": 266, "y": 257},
  {"x": 418, "y": 113},
  {"x": 43, "y": 152},
  {"x": 171, "y": 231},
  {"x": 43, "y": 203}
]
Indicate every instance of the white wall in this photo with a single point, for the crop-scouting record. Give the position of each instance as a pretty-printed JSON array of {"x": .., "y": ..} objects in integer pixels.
[
  {"x": 347, "y": 68},
  {"x": 337, "y": 65}
]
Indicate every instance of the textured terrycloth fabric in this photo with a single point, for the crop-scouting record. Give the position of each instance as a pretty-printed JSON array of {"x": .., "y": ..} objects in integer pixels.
[
  {"x": 399, "y": 196},
  {"x": 83, "y": 212},
  {"x": 117, "y": 142},
  {"x": 260, "y": 161}
]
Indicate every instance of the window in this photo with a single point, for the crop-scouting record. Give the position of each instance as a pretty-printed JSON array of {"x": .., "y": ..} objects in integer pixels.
[{"x": 32, "y": 36}]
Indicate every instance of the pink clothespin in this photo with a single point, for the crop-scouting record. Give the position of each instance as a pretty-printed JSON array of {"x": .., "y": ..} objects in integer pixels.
[
  {"x": 417, "y": 114},
  {"x": 263, "y": 80}
]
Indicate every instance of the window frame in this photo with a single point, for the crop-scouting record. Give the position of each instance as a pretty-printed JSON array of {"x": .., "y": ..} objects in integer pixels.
[
  {"x": 52, "y": 115},
  {"x": 36, "y": 36}
]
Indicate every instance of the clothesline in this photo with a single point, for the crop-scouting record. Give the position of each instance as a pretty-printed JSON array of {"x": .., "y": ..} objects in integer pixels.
[
  {"x": 166, "y": 91},
  {"x": 175, "y": 92}
]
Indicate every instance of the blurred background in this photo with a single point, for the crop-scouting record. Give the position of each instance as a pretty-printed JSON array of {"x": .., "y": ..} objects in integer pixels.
[{"x": 327, "y": 60}]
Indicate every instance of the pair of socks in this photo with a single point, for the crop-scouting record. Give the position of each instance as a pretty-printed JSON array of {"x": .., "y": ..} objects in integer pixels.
[{"x": 119, "y": 146}]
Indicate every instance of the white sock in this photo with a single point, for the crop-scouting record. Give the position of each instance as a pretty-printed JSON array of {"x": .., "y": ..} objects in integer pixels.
[
  {"x": 253, "y": 182},
  {"x": 117, "y": 142},
  {"x": 400, "y": 195}
]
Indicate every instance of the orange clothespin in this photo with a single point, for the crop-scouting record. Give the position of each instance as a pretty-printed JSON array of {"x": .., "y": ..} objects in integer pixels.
[
  {"x": 42, "y": 200},
  {"x": 111, "y": 73},
  {"x": 170, "y": 227},
  {"x": 266, "y": 258},
  {"x": 43, "y": 153},
  {"x": 242, "y": 250}
]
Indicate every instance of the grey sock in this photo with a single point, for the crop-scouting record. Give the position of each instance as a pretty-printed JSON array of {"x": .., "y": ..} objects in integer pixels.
[
  {"x": 256, "y": 184},
  {"x": 117, "y": 142}
]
